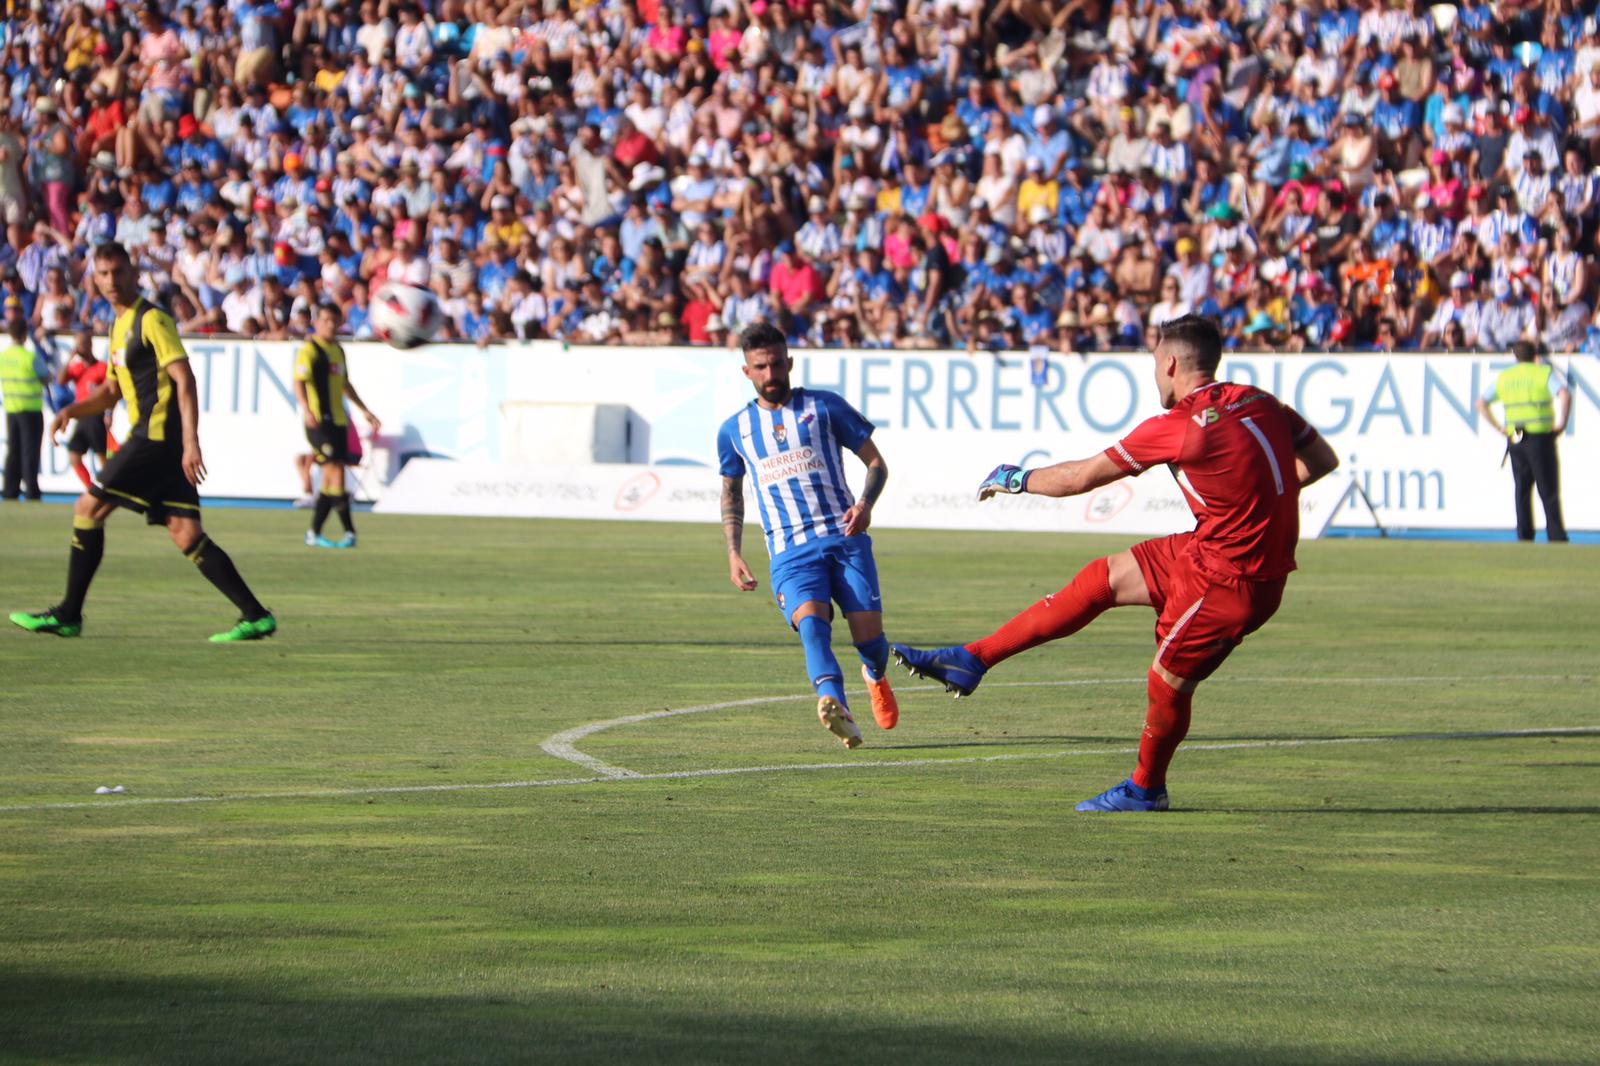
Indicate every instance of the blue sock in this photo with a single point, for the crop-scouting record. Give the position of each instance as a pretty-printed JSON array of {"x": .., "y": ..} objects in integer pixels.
[
  {"x": 816, "y": 638},
  {"x": 875, "y": 653}
]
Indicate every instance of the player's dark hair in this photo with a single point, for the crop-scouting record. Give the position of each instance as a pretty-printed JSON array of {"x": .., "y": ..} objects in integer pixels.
[
  {"x": 1524, "y": 351},
  {"x": 1195, "y": 340},
  {"x": 759, "y": 335},
  {"x": 113, "y": 250}
]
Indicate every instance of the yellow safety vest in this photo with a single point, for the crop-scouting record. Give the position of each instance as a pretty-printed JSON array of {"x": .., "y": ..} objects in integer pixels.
[
  {"x": 1525, "y": 391},
  {"x": 22, "y": 388}
]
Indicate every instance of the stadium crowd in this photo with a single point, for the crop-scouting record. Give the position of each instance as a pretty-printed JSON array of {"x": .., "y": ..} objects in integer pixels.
[{"x": 1359, "y": 174}]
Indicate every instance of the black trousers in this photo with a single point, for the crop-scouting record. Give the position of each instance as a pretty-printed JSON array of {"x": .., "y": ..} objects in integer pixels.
[
  {"x": 24, "y": 438},
  {"x": 1533, "y": 463}
]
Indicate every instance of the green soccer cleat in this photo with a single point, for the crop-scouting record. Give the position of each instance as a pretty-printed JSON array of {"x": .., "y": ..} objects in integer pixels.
[
  {"x": 245, "y": 629},
  {"x": 46, "y": 622}
]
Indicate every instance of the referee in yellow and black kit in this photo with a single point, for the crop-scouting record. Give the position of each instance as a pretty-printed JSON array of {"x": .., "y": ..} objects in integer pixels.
[
  {"x": 1536, "y": 402},
  {"x": 158, "y": 470}
]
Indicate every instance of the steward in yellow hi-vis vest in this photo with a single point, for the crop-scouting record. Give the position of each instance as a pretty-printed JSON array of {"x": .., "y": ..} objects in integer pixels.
[
  {"x": 158, "y": 470},
  {"x": 1535, "y": 400},
  {"x": 22, "y": 389}
]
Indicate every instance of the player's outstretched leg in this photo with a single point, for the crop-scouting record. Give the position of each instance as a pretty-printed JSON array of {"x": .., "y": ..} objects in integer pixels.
[
  {"x": 1058, "y": 615},
  {"x": 816, "y": 637},
  {"x": 1166, "y": 723},
  {"x": 255, "y": 621},
  {"x": 66, "y": 618},
  {"x": 874, "y": 669}
]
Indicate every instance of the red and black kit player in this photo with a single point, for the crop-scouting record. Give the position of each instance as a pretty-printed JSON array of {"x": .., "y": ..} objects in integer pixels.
[{"x": 1241, "y": 458}]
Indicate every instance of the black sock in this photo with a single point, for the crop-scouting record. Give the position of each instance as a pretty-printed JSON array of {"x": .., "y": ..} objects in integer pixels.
[
  {"x": 88, "y": 546},
  {"x": 342, "y": 503},
  {"x": 220, "y": 571},
  {"x": 320, "y": 515}
]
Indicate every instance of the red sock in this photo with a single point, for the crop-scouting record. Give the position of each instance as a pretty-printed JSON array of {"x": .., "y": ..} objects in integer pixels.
[
  {"x": 1166, "y": 723},
  {"x": 83, "y": 475},
  {"x": 1055, "y": 616}
]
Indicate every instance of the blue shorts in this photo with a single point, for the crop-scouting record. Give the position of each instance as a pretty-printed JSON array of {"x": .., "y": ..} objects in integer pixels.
[{"x": 833, "y": 569}]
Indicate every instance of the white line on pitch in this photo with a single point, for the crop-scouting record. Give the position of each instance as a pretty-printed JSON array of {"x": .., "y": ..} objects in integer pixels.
[
  {"x": 563, "y": 745},
  {"x": 864, "y": 764}
]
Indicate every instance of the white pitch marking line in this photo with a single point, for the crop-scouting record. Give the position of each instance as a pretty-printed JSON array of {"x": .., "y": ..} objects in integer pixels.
[
  {"x": 617, "y": 773},
  {"x": 564, "y": 744},
  {"x": 865, "y": 764}
]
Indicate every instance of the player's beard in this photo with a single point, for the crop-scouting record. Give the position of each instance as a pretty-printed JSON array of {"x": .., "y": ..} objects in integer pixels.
[{"x": 776, "y": 392}]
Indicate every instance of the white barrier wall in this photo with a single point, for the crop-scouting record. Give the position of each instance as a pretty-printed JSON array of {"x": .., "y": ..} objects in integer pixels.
[
  {"x": 1404, "y": 425},
  {"x": 921, "y": 500}
]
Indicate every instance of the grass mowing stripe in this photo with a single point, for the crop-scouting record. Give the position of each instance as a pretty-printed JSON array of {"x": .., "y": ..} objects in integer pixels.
[{"x": 864, "y": 764}]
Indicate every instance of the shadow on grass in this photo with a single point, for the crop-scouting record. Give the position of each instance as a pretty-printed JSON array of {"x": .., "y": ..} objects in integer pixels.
[{"x": 51, "y": 1018}]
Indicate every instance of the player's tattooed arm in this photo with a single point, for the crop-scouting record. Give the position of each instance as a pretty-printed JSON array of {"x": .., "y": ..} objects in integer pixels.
[
  {"x": 733, "y": 513},
  {"x": 733, "y": 533},
  {"x": 877, "y": 478},
  {"x": 859, "y": 517}
]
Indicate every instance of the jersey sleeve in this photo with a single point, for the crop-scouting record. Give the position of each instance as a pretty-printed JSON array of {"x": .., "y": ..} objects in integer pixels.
[
  {"x": 729, "y": 462},
  {"x": 303, "y": 362},
  {"x": 1300, "y": 431},
  {"x": 161, "y": 334},
  {"x": 850, "y": 427},
  {"x": 1153, "y": 442}
]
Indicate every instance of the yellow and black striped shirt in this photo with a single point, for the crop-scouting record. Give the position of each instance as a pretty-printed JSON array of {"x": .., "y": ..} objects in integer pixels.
[
  {"x": 144, "y": 342},
  {"x": 320, "y": 365}
]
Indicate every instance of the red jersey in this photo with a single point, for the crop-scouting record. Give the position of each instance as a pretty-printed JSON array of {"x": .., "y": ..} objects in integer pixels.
[
  {"x": 86, "y": 377},
  {"x": 1232, "y": 449}
]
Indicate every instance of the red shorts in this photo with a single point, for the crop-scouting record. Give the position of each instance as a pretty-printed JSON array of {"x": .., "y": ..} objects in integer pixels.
[{"x": 1200, "y": 618}]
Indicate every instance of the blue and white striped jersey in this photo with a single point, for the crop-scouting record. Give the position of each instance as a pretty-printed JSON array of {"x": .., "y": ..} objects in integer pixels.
[{"x": 795, "y": 457}]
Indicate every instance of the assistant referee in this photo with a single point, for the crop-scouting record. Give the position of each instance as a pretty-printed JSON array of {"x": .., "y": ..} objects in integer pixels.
[
  {"x": 158, "y": 470},
  {"x": 1536, "y": 402}
]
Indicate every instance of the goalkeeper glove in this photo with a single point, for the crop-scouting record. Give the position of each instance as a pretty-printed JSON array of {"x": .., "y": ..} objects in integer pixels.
[{"x": 1004, "y": 478}]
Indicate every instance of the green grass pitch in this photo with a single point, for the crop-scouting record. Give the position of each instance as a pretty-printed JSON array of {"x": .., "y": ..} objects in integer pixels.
[{"x": 1415, "y": 901}]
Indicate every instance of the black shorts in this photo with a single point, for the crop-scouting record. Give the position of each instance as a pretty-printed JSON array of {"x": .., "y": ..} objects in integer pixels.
[
  {"x": 88, "y": 436},
  {"x": 146, "y": 476},
  {"x": 330, "y": 444}
]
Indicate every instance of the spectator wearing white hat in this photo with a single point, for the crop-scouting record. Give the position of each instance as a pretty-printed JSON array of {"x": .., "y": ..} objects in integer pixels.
[
  {"x": 244, "y": 302},
  {"x": 1050, "y": 144},
  {"x": 819, "y": 240},
  {"x": 1457, "y": 307}
]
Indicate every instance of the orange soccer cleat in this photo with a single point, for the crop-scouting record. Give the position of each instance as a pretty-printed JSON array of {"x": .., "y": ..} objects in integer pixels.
[
  {"x": 885, "y": 709},
  {"x": 836, "y": 719}
]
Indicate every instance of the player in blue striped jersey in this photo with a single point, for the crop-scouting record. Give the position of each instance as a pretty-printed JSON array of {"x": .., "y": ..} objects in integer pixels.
[{"x": 790, "y": 442}]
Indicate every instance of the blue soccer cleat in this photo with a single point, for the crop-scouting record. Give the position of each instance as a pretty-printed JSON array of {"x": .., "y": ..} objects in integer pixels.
[
  {"x": 956, "y": 667},
  {"x": 1127, "y": 797}
]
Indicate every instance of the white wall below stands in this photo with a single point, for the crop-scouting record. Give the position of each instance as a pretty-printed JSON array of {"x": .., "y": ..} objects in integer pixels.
[{"x": 1404, "y": 426}]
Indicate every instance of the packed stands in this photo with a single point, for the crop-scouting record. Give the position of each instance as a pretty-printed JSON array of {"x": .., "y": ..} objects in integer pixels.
[{"x": 905, "y": 173}]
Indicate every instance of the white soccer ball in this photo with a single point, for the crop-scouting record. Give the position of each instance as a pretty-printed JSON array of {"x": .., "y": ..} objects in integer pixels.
[{"x": 404, "y": 315}]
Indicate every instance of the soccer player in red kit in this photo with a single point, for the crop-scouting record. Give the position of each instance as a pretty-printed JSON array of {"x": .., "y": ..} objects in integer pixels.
[{"x": 1241, "y": 458}]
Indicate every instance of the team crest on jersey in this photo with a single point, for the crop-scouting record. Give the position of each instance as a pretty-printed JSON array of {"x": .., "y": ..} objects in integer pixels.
[
  {"x": 780, "y": 433},
  {"x": 1205, "y": 418}
]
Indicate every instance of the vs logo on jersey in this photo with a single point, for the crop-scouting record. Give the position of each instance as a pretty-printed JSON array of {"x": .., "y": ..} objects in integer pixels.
[{"x": 1205, "y": 418}]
